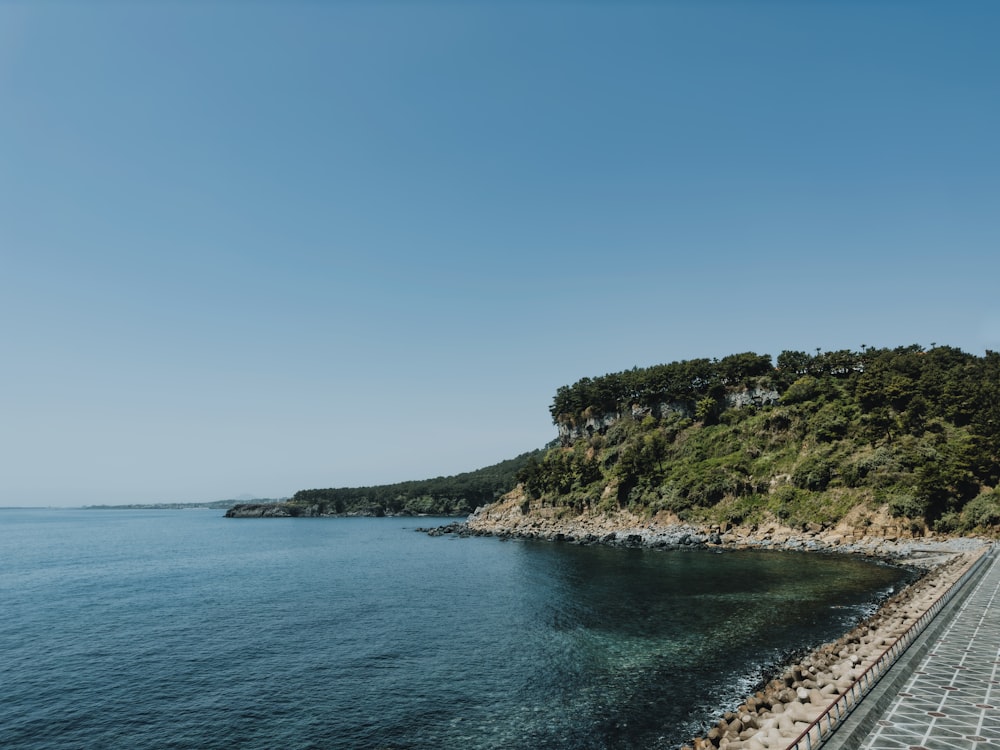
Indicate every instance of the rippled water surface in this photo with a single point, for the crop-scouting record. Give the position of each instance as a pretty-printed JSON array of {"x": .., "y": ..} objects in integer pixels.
[{"x": 182, "y": 629}]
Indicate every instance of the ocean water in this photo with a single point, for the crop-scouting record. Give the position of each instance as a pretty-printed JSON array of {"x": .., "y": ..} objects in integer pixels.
[{"x": 182, "y": 629}]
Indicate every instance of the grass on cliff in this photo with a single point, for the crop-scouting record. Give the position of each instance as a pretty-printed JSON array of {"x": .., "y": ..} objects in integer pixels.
[
  {"x": 913, "y": 431},
  {"x": 459, "y": 494}
]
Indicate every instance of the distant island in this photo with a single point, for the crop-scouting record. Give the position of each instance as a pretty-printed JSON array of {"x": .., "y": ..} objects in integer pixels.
[
  {"x": 214, "y": 505},
  {"x": 908, "y": 435}
]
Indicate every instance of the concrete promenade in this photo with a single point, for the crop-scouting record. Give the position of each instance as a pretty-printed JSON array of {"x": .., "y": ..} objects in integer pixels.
[{"x": 944, "y": 694}]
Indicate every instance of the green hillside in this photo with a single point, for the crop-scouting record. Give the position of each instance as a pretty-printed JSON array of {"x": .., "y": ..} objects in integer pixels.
[
  {"x": 454, "y": 495},
  {"x": 804, "y": 440}
]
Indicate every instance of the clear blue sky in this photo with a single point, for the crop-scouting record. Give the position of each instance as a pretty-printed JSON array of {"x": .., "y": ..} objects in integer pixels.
[{"x": 250, "y": 248}]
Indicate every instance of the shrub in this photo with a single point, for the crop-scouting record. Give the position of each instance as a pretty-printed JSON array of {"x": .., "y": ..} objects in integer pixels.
[
  {"x": 740, "y": 510},
  {"x": 830, "y": 423},
  {"x": 905, "y": 505},
  {"x": 783, "y": 501},
  {"x": 949, "y": 523},
  {"x": 706, "y": 409},
  {"x": 983, "y": 511},
  {"x": 813, "y": 474},
  {"x": 805, "y": 388}
]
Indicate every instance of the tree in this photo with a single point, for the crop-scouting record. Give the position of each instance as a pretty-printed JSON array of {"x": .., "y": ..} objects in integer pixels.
[{"x": 706, "y": 409}]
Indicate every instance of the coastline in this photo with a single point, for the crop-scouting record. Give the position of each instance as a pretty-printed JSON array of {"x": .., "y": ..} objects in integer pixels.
[
  {"x": 289, "y": 510},
  {"x": 882, "y": 540},
  {"x": 783, "y": 708}
]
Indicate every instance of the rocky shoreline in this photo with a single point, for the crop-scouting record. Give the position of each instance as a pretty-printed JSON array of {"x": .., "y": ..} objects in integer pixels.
[
  {"x": 783, "y": 710},
  {"x": 778, "y": 713},
  {"x": 880, "y": 541}
]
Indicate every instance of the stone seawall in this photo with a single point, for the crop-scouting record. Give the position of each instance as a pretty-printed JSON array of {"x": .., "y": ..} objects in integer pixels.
[
  {"x": 774, "y": 717},
  {"x": 777, "y": 714}
]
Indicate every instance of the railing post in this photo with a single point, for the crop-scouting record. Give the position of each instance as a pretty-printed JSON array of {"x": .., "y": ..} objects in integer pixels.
[{"x": 864, "y": 683}]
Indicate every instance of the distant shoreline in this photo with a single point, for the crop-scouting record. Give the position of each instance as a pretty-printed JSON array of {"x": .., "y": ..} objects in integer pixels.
[
  {"x": 213, "y": 505},
  {"x": 161, "y": 506},
  {"x": 291, "y": 510}
]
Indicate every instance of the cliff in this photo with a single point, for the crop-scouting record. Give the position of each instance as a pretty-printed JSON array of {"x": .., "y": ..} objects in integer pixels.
[
  {"x": 738, "y": 398},
  {"x": 905, "y": 434},
  {"x": 908, "y": 434}
]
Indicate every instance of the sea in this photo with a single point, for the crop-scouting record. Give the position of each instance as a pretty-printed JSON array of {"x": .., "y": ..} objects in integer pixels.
[{"x": 183, "y": 629}]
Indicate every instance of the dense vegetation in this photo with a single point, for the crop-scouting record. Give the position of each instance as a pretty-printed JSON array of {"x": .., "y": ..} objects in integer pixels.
[
  {"x": 911, "y": 429},
  {"x": 454, "y": 495},
  {"x": 687, "y": 381}
]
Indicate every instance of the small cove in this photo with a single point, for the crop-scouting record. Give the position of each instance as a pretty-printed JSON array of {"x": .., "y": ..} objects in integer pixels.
[{"x": 183, "y": 629}]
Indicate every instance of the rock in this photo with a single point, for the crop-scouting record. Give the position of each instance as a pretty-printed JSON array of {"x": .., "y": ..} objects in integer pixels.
[
  {"x": 792, "y": 701},
  {"x": 262, "y": 510},
  {"x": 458, "y": 528}
]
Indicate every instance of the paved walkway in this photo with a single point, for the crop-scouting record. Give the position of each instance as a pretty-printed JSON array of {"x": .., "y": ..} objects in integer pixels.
[{"x": 952, "y": 699}]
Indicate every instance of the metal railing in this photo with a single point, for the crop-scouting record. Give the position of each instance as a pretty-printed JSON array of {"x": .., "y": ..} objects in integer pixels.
[{"x": 823, "y": 725}]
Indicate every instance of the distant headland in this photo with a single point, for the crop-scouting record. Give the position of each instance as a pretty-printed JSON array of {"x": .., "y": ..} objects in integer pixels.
[
  {"x": 213, "y": 505},
  {"x": 902, "y": 442}
]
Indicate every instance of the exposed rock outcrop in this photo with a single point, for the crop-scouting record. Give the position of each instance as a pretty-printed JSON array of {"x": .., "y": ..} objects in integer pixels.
[
  {"x": 879, "y": 536},
  {"x": 599, "y": 423},
  {"x": 269, "y": 510}
]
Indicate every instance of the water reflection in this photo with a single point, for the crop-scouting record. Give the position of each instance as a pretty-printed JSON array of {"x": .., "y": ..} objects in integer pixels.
[{"x": 644, "y": 646}]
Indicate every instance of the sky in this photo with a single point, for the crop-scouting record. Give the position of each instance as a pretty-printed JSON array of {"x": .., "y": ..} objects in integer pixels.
[{"x": 251, "y": 248}]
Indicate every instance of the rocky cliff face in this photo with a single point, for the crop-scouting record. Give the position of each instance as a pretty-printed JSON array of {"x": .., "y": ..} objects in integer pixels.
[
  {"x": 598, "y": 424},
  {"x": 752, "y": 397}
]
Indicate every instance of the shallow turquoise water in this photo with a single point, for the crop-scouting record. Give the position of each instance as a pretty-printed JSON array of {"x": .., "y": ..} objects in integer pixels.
[{"x": 182, "y": 629}]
